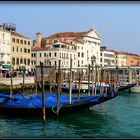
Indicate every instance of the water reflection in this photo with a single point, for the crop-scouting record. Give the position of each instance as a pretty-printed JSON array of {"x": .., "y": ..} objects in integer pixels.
[{"x": 87, "y": 123}]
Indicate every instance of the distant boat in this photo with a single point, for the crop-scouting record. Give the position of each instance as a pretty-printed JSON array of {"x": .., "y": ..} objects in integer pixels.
[
  {"x": 33, "y": 105},
  {"x": 136, "y": 89},
  {"x": 126, "y": 87}
]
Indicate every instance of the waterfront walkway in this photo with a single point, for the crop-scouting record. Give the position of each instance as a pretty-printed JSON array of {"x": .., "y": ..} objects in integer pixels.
[{"x": 18, "y": 80}]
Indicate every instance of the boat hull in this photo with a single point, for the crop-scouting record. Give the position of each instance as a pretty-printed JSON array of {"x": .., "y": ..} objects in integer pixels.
[{"x": 65, "y": 109}]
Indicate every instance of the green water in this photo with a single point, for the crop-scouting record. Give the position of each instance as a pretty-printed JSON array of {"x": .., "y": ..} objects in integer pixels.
[{"x": 117, "y": 118}]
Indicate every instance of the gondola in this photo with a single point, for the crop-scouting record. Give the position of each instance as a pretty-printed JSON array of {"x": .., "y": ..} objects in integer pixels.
[
  {"x": 33, "y": 105},
  {"x": 75, "y": 89},
  {"x": 126, "y": 87}
]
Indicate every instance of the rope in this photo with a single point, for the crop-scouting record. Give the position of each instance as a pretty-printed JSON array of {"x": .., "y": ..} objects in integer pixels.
[{"x": 57, "y": 109}]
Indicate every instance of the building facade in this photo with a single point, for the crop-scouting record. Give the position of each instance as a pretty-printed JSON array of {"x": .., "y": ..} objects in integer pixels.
[
  {"x": 132, "y": 59},
  {"x": 5, "y": 43},
  {"x": 121, "y": 58},
  {"x": 80, "y": 46},
  {"x": 20, "y": 55},
  {"x": 107, "y": 57},
  {"x": 52, "y": 53}
]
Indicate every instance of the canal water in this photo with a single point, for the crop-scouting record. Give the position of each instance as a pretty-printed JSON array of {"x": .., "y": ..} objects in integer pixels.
[{"x": 116, "y": 118}]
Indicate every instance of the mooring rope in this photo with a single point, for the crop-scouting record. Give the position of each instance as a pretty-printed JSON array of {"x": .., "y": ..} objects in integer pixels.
[{"x": 57, "y": 109}]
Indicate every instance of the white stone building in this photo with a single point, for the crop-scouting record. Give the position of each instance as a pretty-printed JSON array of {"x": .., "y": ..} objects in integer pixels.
[
  {"x": 108, "y": 57},
  {"x": 5, "y": 40},
  {"x": 121, "y": 59},
  {"x": 80, "y": 46}
]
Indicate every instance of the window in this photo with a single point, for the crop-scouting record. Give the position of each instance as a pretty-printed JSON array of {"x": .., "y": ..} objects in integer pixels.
[
  {"x": 3, "y": 35},
  {"x": 74, "y": 56},
  {"x": 55, "y": 41},
  {"x": 49, "y": 54},
  {"x": 17, "y": 41},
  {"x": 20, "y": 49},
  {"x": 13, "y": 61},
  {"x": 78, "y": 54},
  {"x": 8, "y": 62},
  {"x": 40, "y": 54},
  {"x": 13, "y": 49},
  {"x": 82, "y": 62},
  {"x": 28, "y": 61},
  {"x": 25, "y": 50},
  {"x": 44, "y": 54},
  {"x": 50, "y": 63},
  {"x": 21, "y": 60},
  {"x": 13, "y": 40},
  {"x": 55, "y": 63},
  {"x": 25, "y": 42},
  {"x": 29, "y": 43},
  {"x": 24, "y": 61},
  {"x": 28, "y": 50},
  {"x": 78, "y": 63},
  {"x": 32, "y": 55},
  {"x": 55, "y": 54},
  {"x": 70, "y": 55},
  {"x": 17, "y": 61},
  {"x": 21, "y": 41},
  {"x": 17, "y": 49},
  {"x": 82, "y": 54}
]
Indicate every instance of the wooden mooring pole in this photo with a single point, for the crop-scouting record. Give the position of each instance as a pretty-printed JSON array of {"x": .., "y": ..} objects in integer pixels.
[
  {"x": 93, "y": 80},
  {"x": 88, "y": 80},
  {"x": 43, "y": 93},
  {"x": 79, "y": 84},
  {"x": 11, "y": 85},
  {"x": 36, "y": 81},
  {"x": 23, "y": 84},
  {"x": 59, "y": 87},
  {"x": 117, "y": 80},
  {"x": 70, "y": 82}
]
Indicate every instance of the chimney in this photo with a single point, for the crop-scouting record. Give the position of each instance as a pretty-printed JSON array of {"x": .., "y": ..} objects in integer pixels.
[
  {"x": 38, "y": 40},
  {"x": 62, "y": 39}
]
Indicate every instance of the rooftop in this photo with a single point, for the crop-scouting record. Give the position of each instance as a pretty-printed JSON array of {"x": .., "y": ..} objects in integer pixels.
[
  {"x": 19, "y": 35},
  {"x": 66, "y": 35}
]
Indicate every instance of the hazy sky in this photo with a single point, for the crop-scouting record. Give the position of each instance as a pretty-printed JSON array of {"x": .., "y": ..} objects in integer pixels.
[{"x": 117, "y": 22}]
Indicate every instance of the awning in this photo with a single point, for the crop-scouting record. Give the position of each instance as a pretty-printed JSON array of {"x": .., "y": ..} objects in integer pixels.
[{"x": 7, "y": 66}]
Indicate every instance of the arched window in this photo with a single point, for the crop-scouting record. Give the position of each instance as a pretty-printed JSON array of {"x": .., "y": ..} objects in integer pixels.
[
  {"x": 17, "y": 61},
  {"x": 28, "y": 61},
  {"x": 13, "y": 61},
  {"x": 24, "y": 61},
  {"x": 21, "y": 60}
]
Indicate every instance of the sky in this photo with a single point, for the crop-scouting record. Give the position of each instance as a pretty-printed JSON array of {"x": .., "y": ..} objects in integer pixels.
[{"x": 117, "y": 22}]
